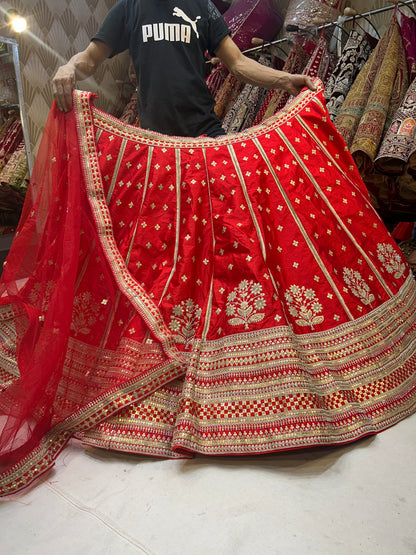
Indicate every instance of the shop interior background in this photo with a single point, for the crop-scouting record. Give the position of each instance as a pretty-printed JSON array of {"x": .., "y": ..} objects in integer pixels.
[{"x": 57, "y": 29}]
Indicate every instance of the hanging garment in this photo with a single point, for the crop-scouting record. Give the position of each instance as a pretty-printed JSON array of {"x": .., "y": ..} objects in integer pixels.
[
  {"x": 13, "y": 186},
  {"x": 321, "y": 62},
  {"x": 392, "y": 182},
  {"x": 10, "y": 142},
  {"x": 8, "y": 121},
  {"x": 400, "y": 139},
  {"x": 130, "y": 114},
  {"x": 170, "y": 296},
  {"x": 245, "y": 108},
  {"x": 246, "y": 19},
  {"x": 246, "y": 105},
  {"x": 374, "y": 98},
  {"x": 257, "y": 98},
  {"x": 408, "y": 32},
  {"x": 318, "y": 65},
  {"x": 230, "y": 90},
  {"x": 393, "y": 196},
  {"x": 277, "y": 98},
  {"x": 409, "y": 250},
  {"x": 227, "y": 95},
  {"x": 354, "y": 55},
  {"x": 13, "y": 166},
  {"x": 216, "y": 78}
]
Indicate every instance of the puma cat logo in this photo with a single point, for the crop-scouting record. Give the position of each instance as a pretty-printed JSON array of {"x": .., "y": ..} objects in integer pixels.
[
  {"x": 172, "y": 32},
  {"x": 180, "y": 13}
]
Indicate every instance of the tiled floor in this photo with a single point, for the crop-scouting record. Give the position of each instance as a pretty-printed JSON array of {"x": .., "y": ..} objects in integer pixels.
[{"x": 356, "y": 499}]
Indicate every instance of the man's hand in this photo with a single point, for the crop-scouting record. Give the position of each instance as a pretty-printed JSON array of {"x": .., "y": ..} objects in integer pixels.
[
  {"x": 63, "y": 84},
  {"x": 294, "y": 83},
  {"x": 82, "y": 65}
]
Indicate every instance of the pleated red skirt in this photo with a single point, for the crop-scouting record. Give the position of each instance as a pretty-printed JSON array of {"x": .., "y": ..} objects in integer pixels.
[{"x": 170, "y": 296}]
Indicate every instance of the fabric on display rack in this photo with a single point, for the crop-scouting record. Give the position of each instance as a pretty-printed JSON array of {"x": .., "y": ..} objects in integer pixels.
[
  {"x": 374, "y": 98},
  {"x": 318, "y": 65},
  {"x": 13, "y": 186},
  {"x": 170, "y": 296},
  {"x": 227, "y": 95},
  {"x": 277, "y": 98},
  {"x": 246, "y": 19},
  {"x": 216, "y": 79},
  {"x": 321, "y": 62},
  {"x": 14, "y": 163},
  {"x": 408, "y": 29},
  {"x": 246, "y": 105},
  {"x": 392, "y": 183},
  {"x": 400, "y": 140},
  {"x": 10, "y": 142},
  {"x": 9, "y": 120},
  {"x": 8, "y": 85},
  {"x": 354, "y": 55},
  {"x": 130, "y": 114}
]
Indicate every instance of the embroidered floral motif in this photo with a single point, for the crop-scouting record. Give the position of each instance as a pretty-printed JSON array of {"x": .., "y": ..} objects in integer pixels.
[
  {"x": 358, "y": 286},
  {"x": 245, "y": 303},
  {"x": 85, "y": 314},
  {"x": 40, "y": 296},
  {"x": 304, "y": 305},
  {"x": 391, "y": 260},
  {"x": 185, "y": 320}
]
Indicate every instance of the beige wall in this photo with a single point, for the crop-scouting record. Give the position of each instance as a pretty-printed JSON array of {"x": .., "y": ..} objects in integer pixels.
[{"x": 59, "y": 28}]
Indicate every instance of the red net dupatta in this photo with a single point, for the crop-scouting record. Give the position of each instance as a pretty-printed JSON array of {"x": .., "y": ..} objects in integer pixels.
[{"x": 167, "y": 296}]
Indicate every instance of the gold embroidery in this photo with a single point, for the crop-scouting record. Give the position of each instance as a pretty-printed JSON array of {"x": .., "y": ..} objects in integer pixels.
[
  {"x": 358, "y": 286},
  {"x": 244, "y": 304},
  {"x": 235, "y": 412},
  {"x": 116, "y": 169},
  {"x": 85, "y": 314},
  {"x": 301, "y": 227},
  {"x": 184, "y": 321},
  {"x": 353, "y": 184},
  {"x": 40, "y": 295},
  {"x": 303, "y": 304},
  {"x": 391, "y": 260},
  {"x": 266, "y": 396},
  {"x": 95, "y": 190}
]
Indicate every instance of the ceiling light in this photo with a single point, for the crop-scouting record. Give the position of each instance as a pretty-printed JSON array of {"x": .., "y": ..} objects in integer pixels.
[{"x": 16, "y": 21}]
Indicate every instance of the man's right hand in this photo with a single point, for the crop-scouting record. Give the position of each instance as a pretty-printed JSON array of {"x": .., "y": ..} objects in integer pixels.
[
  {"x": 82, "y": 65},
  {"x": 63, "y": 84}
]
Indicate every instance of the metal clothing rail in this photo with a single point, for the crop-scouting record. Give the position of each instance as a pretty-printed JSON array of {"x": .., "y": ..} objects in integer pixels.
[{"x": 335, "y": 23}]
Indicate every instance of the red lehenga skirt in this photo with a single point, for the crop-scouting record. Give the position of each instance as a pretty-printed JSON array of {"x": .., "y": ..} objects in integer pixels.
[{"x": 169, "y": 296}]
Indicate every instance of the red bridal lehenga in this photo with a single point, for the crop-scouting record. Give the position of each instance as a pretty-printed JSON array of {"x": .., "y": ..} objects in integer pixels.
[{"x": 169, "y": 296}]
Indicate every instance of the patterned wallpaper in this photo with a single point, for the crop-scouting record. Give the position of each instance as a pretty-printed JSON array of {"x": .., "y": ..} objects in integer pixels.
[
  {"x": 57, "y": 29},
  {"x": 60, "y": 28}
]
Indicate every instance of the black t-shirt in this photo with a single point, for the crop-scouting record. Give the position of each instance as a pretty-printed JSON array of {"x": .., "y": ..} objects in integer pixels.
[{"x": 167, "y": 40}]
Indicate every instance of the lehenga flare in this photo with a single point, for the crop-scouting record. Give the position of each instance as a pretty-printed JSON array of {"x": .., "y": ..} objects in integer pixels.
[{"x": 169, "y": 296}]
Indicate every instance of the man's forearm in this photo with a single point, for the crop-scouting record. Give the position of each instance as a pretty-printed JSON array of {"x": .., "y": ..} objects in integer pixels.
[
  {"x": 80, "y": 66},
  {"x": 250, "y": 71},
  {"x": 83, "y": 65}
]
